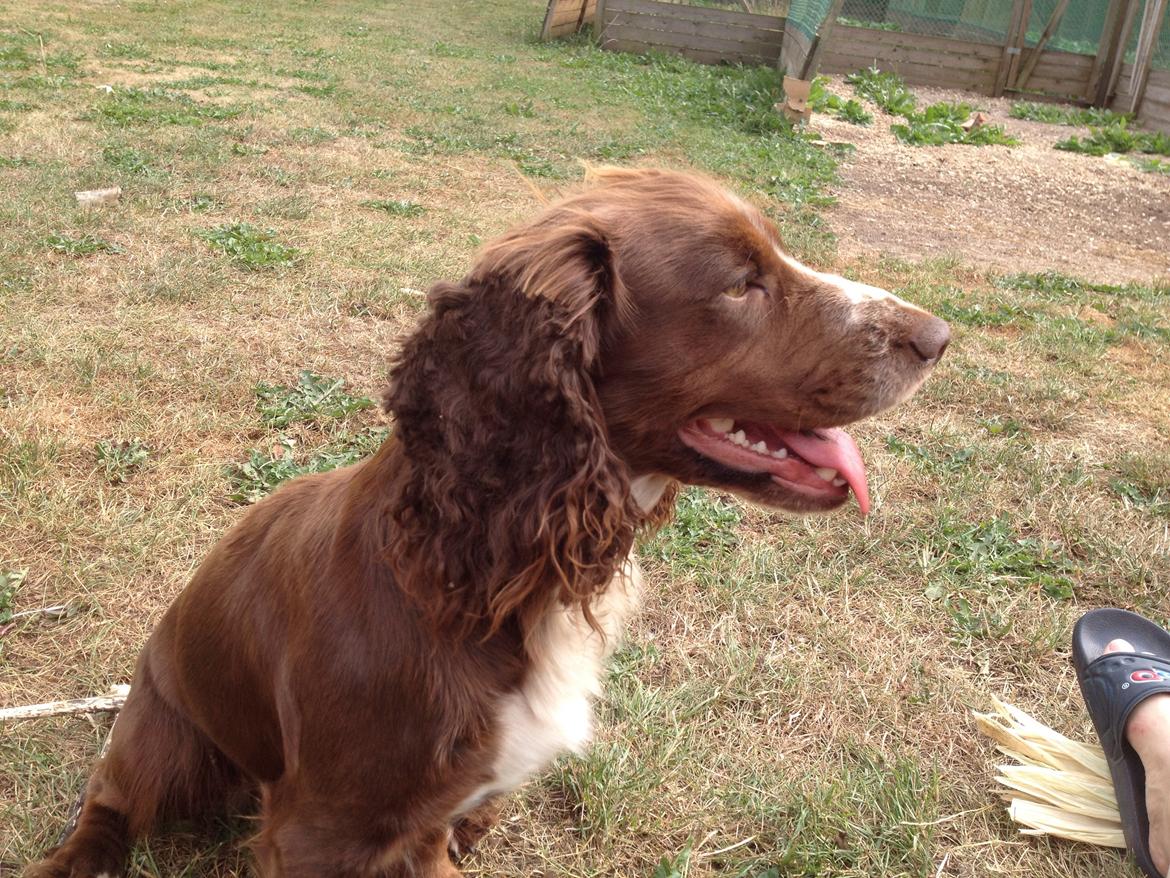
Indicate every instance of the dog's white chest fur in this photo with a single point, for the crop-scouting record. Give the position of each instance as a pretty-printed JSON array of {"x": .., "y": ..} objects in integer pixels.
[{"x": 553, "y": 711}]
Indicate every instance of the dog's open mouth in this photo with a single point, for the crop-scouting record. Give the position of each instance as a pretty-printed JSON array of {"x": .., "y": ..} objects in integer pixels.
[{"x": 822, "y": 463}]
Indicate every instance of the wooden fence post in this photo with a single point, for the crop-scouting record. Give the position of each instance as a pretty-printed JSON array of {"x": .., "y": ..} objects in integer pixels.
[
  {"x": 1034, "y": 57},
  {"x": 1147, "y": 42},
  {"x": 1016, "y": 32},
  {"x": 814, "y": 55}
]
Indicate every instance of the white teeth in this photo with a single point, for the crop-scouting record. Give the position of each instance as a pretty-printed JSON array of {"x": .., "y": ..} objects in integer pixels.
[
  {"x": 780, "y": 453},
  {"x": 721, "y": 425},
  {"x": 826, "y": 473},
  {"x": 739, "y": 437},
  {"x": 840, "y": 483},
  {"x": 760, "y": 448}
]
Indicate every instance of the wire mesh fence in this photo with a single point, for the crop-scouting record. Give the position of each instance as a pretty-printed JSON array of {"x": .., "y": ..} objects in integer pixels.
[{"x": 1078, "y": 30}]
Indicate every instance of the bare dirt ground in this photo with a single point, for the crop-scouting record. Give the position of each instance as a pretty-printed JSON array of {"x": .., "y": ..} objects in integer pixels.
[{"x": 1023, "y": 208}]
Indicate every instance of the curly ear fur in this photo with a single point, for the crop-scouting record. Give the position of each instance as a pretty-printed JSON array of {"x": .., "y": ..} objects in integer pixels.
[{"x": 514, "y": 499}]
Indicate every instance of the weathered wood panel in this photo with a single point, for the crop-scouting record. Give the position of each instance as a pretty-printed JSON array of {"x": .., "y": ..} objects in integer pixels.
[
  {"x": 698, "y": 13},
  {"x": 1061, "y": 74},
  {"x": 921, "y": 60},
  {"x": 710, "y": 36},
  {"x": 633, "y": 29},
  {"x": 565, "y": 17},
  {"x": 1155, "y": 109}
]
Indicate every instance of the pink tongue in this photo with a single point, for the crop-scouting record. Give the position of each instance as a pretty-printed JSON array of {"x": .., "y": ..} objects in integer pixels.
[{"x": 836, "y": 449}]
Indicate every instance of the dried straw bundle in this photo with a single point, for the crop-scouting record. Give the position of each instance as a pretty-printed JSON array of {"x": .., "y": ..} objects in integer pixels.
[{"x": 1060, "y": 787}]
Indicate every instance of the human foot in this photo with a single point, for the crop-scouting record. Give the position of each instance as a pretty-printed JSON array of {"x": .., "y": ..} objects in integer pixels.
[{"x": 1148, "y": 732}]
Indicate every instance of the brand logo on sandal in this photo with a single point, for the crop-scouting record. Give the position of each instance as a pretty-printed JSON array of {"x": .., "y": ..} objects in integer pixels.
[{"x": 1149, "y": 675}]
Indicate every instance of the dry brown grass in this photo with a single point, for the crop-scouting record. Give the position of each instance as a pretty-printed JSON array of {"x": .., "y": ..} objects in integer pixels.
[{"x": 802, "y": 684}]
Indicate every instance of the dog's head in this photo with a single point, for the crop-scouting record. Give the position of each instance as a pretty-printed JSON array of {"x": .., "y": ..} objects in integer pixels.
[
  {"x": 650, "y": 325},
  {"x": 719, "y": 359}
]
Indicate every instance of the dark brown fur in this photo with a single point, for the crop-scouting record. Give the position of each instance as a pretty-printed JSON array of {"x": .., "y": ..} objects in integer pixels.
[{"x": 345, "y": 647}]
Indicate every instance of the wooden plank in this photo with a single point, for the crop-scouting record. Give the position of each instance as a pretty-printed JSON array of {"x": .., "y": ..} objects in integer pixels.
[
  {"x": 625, "y": 30},
  {"x": 908, "y": 55},
  {"x": 696, "y": 13},
  {"x": 582, "y": 13},
  {"x": 702, "y": 56},
  {"x": 923, "y": 74},
  {"x": 1147, "y": 42},
  {"x": 1008, "y": 48},
  {"x": 1038, "y": 49},
  {"x": 909, "y": 47},
  {"x": 870, "y": 37},
  {"x": 1110, "y": 83},
  {"x": 1059, "y": 86},
  {"x": 711, "y": 29},
  {"x": 548, "y": 15},
  {"x": 1113, "y": 18}
]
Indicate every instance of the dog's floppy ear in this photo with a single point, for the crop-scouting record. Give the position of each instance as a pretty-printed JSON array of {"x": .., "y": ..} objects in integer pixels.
[{"x": 514, "y": 498}]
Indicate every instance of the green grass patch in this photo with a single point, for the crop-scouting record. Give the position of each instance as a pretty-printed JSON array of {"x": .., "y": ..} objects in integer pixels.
[
  {"x": 265, "y": 470},
  {"x": 395, "y": 206},
  {"x": 9, "y": 582},
  {"x": 1143, "y": 481},
  {"x": 312, "y": 398},
  {"x": 990, "y": 555},
  {"x": 126, "y": 107},
  {"x": 704, "y": 529},
  {"x": 129, "y": 160},
  {"x": 1057, "y": 114},
  {"x": 942, "y": 460},
  {"x": 119, "y": 459},
  {"x": 249, "y": 246},
  {"x": 86, "y": 245},
  {"x": 1152, "y": 165}
]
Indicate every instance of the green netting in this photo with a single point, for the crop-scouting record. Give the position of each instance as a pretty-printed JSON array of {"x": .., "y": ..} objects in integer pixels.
[
  {"x": 1161, "y": 56},
  {"x": 1079, "y": 30}
]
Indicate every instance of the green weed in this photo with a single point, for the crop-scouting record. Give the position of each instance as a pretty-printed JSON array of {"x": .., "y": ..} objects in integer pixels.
[
  {"x": 823, "y": 101},
  {"x": 887, "y": 90},
  {"x": 980, "y": 624},
  {"x": 16, "y": 162},
  {"x": 312, "y": 398},
  {"x": 395, "y": 206},
  {"x": 9, "y": 582},
  {"x": 249, "y": 246},
  {"x": 120, "y": 459},
  {"x": 1057, "y": 114},
  {"x": 1117, "y": 138},
  {"x": 86, "y": 245},
  {"x": 677, "y": 866},
  {"x": 264, "y": 471},
  {"x": 942, "y": 123},
  {"x": 8, "y": 106}
]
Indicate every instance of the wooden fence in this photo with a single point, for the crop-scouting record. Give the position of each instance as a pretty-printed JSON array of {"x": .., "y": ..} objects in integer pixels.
[
  {"x": 710, "y": 36},
  {"x": 565, "y": 17},
  {"x": 724, "y": 36}
]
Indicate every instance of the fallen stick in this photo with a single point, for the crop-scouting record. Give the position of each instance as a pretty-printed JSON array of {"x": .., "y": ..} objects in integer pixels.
[{"x": 111, "y": 701}]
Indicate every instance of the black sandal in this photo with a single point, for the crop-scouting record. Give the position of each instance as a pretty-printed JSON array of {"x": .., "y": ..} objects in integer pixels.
[{"x": 1112, "y": 686}]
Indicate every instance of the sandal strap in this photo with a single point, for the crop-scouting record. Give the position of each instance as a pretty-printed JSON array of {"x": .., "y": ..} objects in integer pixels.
[{"x": 1118, "y": 682}]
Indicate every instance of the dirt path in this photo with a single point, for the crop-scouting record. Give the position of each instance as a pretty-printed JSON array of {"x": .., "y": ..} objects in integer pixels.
[{"x": 1027, "y": 208}]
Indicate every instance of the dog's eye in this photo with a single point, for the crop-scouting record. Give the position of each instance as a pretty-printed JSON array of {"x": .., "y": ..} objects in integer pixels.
[{"x": 736, "y": 292}]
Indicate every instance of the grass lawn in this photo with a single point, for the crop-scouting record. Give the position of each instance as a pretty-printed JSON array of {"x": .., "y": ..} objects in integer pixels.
[{"x": 795, "y": 699}]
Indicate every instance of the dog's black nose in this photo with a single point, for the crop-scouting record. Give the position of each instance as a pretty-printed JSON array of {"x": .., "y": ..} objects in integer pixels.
[{"x": 930, "y": 338}]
